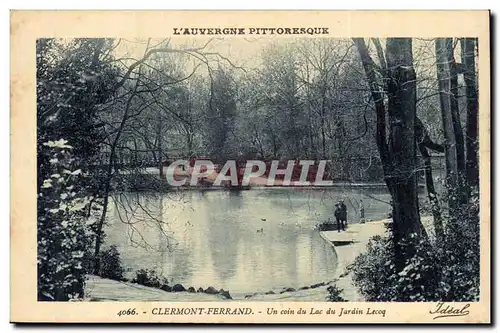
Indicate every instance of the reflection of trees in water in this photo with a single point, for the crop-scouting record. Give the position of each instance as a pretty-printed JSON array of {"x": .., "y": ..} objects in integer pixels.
[
  {"x": 264, "y": 261},
  {"x": 224, "y": 232},
  {"x": 143, "y": 216},
  {"x": 211, "y": 238},
  {"x": 178, "y": 264},
  {"x": 289, "y": 257},
  {"x": 183, "y": 256},
  {"x": 320, "y": 203},
  {"x": 189, "y": 260},
  {"x": 312, "y": 259},
  {"x": 148, "y": 238}
]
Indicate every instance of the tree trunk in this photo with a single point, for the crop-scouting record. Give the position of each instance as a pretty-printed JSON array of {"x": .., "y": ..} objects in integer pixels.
[
  {"x": 457, "y": 126},
  {"x": 160, "y": 146},
  {"x": 135, "y": 164},
  {"x": 431, "y": 193},
  {"x": 107, "y": 185},
  {"x": 323, "y": 135},
  {"x": 398, "y": 156},
  {"x": 189, "y": 134},
  {"x": 401, "y": 91},
  {"x": 369, "y": 67},
  {"x": 468, "y": 60},
  {"x": 424, "y": 142},
  {"x": 450, "y": 145}
]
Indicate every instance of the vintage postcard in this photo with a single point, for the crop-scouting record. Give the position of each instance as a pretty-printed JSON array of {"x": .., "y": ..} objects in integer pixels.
[{"x": 250, "y": 166}]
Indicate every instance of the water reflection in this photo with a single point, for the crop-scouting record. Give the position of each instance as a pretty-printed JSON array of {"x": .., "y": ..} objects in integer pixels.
[{"x": 245, "y": 241}]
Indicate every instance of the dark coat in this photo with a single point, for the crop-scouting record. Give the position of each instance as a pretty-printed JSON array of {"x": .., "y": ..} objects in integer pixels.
[
  {"x": 343, "y": 210},
  {"x": 338, "y": 213}
]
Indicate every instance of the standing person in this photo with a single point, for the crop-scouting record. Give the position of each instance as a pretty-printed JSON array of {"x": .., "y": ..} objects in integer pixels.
[
  {"x": 361, "y": 211},
  {"x": 343, "y": 216},
  {"x": 338, "y": 216}
]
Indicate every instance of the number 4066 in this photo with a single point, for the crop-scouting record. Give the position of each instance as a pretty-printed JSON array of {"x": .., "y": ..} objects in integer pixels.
[{"x": 129, "y": 312}]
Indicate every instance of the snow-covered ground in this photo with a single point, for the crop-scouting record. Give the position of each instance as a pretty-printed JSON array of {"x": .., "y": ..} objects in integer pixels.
[
  {"x": 360, "y": 235},
  {"x": 99, "y": 289}
]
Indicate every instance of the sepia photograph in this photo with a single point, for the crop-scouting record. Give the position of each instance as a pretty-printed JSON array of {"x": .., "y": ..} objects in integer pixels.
[{"x": 261, "y": 164}]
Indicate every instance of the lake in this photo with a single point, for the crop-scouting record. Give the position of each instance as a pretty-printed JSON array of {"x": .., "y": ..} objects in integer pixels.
[{"x": 245, "y": 242}]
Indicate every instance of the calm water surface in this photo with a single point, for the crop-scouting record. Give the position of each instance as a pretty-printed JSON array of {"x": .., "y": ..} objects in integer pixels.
[{"x": 248, "y": 241}]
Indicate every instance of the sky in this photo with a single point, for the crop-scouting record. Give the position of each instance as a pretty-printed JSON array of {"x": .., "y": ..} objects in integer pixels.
[
  {"x": 246, "y": 52},
  {"x": 241, "y": 51}
]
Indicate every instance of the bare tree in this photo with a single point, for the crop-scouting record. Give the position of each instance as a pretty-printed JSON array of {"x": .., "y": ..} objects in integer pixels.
[
  {"x": 450, "y": 141},
  {"x": 468, "y": 46},
  {"x": 397, "y": 149},
  {"x": 455, "y": 114}
]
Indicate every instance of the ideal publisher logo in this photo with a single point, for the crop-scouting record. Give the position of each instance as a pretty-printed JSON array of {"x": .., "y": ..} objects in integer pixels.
[
  {"x": 235, "y": 173},
  {"x": 443, "y": 310}
]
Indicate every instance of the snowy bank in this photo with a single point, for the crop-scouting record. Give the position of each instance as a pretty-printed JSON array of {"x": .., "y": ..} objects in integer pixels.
[{"x": 100, "y": 289}]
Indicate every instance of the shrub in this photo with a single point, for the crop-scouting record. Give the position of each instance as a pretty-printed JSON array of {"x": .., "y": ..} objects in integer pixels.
[
  {"x": 111, "y": 264},
  {"x": 334, "y": 294},
  {"x": 66, "y": 113},
  {"x": 63, "y": 232},
  {"x": 139, "y": 180},
  {"x": 461, "y": 255},
  {"x": 446, "y": 271},
  {"x": 149, "y": 278}
]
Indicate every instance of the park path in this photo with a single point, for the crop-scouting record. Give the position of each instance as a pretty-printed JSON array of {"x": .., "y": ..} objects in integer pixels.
[{"x": 359, "y": 234}]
